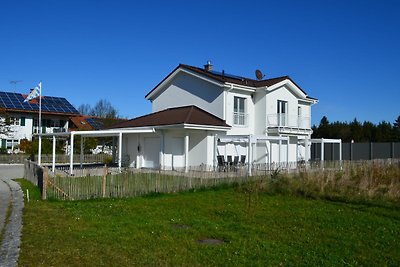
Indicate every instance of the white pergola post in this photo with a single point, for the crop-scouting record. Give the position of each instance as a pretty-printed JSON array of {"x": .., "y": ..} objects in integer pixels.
[
  {"x": 81, "y": 154},
  {"x": 71, "y": 155},
  {"x": 186, "y": 152},
  {"x": 279, "y": 152},
  {"x": 215, "y": 163},
  {"x": 340, "y": 150},
  {"x": 287, "y": 153},
  {"x": 120, "y": 151},
  {"x": 40, "y": 151},
  {"x": 54, "y": 154},
  {"x": 307, "y": 150},
  {"x": 250, "y": 160},
  {"x": 270, "y": 155},
  {"x": 322, "y": 149}
]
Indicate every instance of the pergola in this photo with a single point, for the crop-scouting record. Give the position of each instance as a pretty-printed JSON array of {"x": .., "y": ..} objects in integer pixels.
[
  {"x": 98, "y": 133},
  {"x": 251, "y": 140},
  {"x": 323, "y": 141}
]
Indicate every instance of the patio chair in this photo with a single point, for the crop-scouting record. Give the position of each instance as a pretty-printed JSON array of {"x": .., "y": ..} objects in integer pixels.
[
  {"x": 242, "y": 159},
  {"x": 229, "y": 161},
  {"x": 221, "y": 163},
  {"x": 235, "y": 160}
]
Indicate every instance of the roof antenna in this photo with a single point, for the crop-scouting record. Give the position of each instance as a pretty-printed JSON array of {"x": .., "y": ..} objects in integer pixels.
[{"x": 259, "y": 75}]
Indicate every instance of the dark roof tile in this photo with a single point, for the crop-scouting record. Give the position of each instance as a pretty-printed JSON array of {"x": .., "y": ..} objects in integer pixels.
[
  {"x": 222, "y": 77},
  {"x": 174, "y": 116}
]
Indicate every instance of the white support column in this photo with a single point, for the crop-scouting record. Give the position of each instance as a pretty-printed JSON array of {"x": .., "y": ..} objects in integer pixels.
[
  {"x": 40, "y": 151},
  {"x": 54, "y": 154},
  {"x": 120, "y": 151},
  {"x": 270, "y": 155},
  {"x": 322, "y": 149},
  {"x": 280, "y": 152},
  {"x": 186, "y": 145},
  {"x": 287, "y": 152},
  {"x": 250, "y": 152},
  {"x": 322, "y": 152},
  {"x": 81, "y": 154},
  {"x": 215, "y": 163},
  {"x": 71, "y": 156},
  {"x": 340, "y": 150},
  {"x": 138, "y": 159},
  {"x": 307, "y": 150},
  {"x": 113, "y": 149}
]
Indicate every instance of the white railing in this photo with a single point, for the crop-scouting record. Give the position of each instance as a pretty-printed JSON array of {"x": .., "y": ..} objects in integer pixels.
[
  {"x": 50, "y": 129},
  {"x": 240, "y": 118},
  {"x": 285, "y": 120}
]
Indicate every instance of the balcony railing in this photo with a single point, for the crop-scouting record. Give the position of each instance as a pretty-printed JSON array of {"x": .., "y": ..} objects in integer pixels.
[
  {"x": 240, "y": 118},
  {"x": 285, "y": 120},
  {"x": 49, "y": 130}
]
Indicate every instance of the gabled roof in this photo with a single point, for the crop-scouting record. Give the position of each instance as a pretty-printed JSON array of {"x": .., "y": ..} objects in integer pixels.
[
  {"x": 223, "y": 77},
  {"x": 174, "y": 116},
  {"x": 50, "y": 105}
]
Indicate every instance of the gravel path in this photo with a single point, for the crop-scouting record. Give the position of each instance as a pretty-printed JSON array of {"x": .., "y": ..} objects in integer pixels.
[{"x": 10, "y": 191}]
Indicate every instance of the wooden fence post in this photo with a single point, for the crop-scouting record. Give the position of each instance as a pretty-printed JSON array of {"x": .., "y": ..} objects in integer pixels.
[
  {"x": 45, "y": 180},
  {"x": 104, "y": 180}
]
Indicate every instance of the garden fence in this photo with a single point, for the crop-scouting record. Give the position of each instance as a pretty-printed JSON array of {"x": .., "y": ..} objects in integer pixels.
[{"x": 108, "y": 183}]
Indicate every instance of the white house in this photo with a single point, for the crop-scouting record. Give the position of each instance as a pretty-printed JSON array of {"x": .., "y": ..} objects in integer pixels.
[
  {"x": 199, "y": 114},
  {"x": 24, "y": 118}
]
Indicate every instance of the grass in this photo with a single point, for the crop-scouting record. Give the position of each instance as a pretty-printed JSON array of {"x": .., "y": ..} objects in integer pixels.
[{"x": 258, "y": 229}]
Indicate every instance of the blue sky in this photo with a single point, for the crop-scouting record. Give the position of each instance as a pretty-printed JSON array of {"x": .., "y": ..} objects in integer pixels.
[{"x": 345, "y": 53}]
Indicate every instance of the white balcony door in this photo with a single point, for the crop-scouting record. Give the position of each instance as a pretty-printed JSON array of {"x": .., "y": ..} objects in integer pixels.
[{"x": 282, "y": 112}]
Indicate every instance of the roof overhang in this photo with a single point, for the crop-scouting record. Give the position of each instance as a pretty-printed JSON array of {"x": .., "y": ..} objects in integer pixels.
[
  {"x": 296, "y": 90},
  {"x": 101, "y": 133},
  {"x": 194, "y": 127}
]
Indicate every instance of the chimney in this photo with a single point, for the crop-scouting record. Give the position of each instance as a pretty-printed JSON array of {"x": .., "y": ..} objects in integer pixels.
[{"x": 208, "y": 66}]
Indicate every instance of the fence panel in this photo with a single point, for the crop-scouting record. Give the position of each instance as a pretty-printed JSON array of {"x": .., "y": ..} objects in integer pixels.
[{"x": 34, "y": 174}]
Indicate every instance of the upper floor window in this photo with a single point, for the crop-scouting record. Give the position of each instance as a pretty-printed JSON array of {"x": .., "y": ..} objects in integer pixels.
[
  {"x": 282, "y": 113},
  {"x": 239, "y": 111},
  {"x": 14, "y": 121}
]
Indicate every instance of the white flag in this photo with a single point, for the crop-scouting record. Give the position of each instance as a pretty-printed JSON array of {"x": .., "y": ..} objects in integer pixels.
[{"x": 34, "y": 93}]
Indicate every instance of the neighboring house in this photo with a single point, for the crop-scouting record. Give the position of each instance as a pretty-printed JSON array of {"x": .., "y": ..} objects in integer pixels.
[
  {"x": 200, "y": 113},
  {"x": 24, "y": 117}
]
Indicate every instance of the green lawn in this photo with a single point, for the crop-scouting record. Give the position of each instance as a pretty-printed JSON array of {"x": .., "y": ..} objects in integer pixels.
[{"x": 272, "y": 230}]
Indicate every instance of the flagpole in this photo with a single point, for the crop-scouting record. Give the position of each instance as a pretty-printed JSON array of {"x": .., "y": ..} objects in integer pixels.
[{"x": 40, "y": 125}]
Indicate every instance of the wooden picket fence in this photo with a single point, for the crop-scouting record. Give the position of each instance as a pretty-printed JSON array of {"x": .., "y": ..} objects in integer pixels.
[{"x": 129, "y": 184}]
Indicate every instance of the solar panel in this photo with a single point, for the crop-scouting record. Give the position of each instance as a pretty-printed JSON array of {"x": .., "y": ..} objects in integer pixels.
[
  {"x": 10, "y": 100},
  {"x": 97, "y": 125},
  {"x": 228, "y": 75}
]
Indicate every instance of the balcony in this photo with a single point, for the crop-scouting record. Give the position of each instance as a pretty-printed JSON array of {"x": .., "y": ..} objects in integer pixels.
[
  {"x": 49, "y": 130},
  {"x": 284, "y": 123},
  {"x": 240, "y": 119}
]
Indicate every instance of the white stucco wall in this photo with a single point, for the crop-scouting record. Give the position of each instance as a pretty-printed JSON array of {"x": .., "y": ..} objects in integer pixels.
[
  {"x": 185, "y": 90},
  {"x": 229, "y": 111}
]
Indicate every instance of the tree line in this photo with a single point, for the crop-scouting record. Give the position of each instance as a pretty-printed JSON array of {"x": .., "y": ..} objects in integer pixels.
[{"x": 357, "y": 131}]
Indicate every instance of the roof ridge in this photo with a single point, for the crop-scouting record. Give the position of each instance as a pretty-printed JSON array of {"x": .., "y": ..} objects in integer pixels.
[{"x": 189, "y": 113}]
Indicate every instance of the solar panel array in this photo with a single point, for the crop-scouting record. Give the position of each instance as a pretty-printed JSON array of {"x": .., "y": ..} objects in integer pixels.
[
  {"x": 228, "y": 75},
  {"x": 96, "y": 124},
  {"x": 49, "y": 104}
]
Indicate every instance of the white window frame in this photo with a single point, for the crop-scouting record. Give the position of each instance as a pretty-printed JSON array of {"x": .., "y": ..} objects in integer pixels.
[
  {"x": 239, "y": 117},
  {"x": 282, "y": 112}
]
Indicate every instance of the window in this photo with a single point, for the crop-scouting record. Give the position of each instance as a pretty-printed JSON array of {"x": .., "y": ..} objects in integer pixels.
[
  {"x": 14, "y": 121},
  {"x": 282, "y": 112},
  {"x": 22, "y": 121},
  {"x": 239, "y": 111}
]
